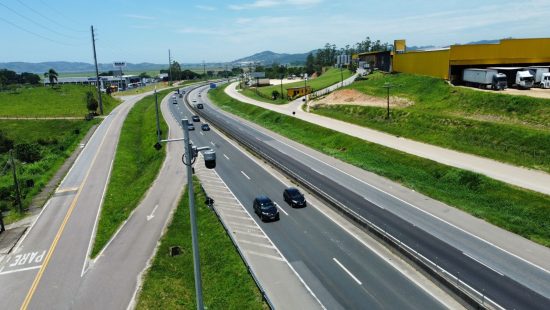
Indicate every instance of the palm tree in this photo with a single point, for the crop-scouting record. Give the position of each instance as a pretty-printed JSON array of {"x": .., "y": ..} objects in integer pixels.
[{"x": 52, "y": 76}]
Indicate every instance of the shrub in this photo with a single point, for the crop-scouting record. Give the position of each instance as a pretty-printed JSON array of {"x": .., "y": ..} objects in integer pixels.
[
  {"x": 6, "y": 143},
  {"x": 28, "y": 152}
]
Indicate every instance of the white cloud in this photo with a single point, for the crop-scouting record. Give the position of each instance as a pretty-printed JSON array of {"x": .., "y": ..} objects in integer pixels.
[{"x": 136, "y": 16}]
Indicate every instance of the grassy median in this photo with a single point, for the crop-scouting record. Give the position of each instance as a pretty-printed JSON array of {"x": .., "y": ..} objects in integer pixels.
[
  {"x": 331, "y": 77},
  {"x": 169, "y": 283},
  {"x": 520, "y": 211},
  {"x": 135, "y": 168}
]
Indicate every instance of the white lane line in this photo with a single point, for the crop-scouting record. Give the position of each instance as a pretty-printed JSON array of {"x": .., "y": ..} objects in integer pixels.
[
  {"x": 244, "y": 225},
  {"x": 263, "y": 245},
  {"x": 280, "y": 208},
  {"x": 201, "y": 133},
  {"x": 237, "y": 217},
  {"x": 347, "y": 271},
  {"x": 212, "y": 143},
  {"x": 245, "y": 175},
  {"x": 18, "y": 270},
  {"x": 265, "y": 255},
  {"x": 480, "y": 262},
  {"x": 255, "y": 235},
  {"x": 225, "y": 156},
  {"x": 152, "y": 215}
]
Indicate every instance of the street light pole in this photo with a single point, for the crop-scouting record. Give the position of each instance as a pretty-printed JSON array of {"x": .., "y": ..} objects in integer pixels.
[
  {"x": 387, "y": 86},
  {"x": 192, "y": 214},
  {"x": 282, "y": 95},
  {"x": 16, "y": 183}
]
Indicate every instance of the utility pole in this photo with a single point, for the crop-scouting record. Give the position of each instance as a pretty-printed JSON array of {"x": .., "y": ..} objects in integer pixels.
[
  {"x": 282, "y": 95},
  {"x": 170, "y": 66},
  {"x": 342, "y": 75},
  {"x": 157, "y": 110},
  {"x": 98, "y": 83},
  {"x": 17, "y": 192},
  {"x": 388, "y": 86},
  {"x": 204, "y": 69}
]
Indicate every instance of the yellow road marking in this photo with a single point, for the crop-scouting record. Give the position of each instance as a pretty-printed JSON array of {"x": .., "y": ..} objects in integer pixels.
[{"x": 38, "y": 277}]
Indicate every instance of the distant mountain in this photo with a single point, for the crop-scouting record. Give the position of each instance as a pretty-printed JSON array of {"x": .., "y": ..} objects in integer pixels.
[
  {"x": 269, "y": 57},
  {"x": 68, "y": 67}
]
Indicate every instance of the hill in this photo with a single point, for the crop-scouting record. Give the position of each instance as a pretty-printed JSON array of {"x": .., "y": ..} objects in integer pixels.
[{"x": 269, "y": 57}]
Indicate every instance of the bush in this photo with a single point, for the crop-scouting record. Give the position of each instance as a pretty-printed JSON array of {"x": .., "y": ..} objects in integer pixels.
[
  {"x": 6, "y": 143},
  {"x": 28, "y": 152}
]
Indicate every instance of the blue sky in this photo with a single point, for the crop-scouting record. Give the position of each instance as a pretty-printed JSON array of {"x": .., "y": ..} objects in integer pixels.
[{"x": 212, "y": 30}]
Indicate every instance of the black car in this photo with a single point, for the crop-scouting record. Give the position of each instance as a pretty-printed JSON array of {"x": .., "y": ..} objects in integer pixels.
[
  {"x": 196, "y": 118},
  {"x": 294, "y": 198},
  {"x": 200, "y": 106},
  {"x": 181, "y": 95},
  {"x": 205, "y": 127},
  {"x": 265, "y": 209},
  {"x": 190, "y": 127}
]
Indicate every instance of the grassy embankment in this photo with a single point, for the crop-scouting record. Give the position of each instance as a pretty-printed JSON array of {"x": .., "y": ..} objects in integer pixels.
[
  {"x": 513, "y": 129},
  {"x": 135, "y": 167},
  {"x": 41, "y": 146},
  {"x": 332, "y": 76},
  {"x": 65, "y": 100},
  {"x": 46, "y": 144},
  {"x": 169, "y": 284},
  {"x": 520, "y": 211}
]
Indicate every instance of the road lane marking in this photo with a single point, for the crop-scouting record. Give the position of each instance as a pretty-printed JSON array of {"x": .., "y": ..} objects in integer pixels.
[
  {"x": 347, "y": 271},
  {"x": 225, "y": 156},
  {"x": 280, "y": 208},
  {"x": 245, "y": 175},
  {"x": 42, "y": 269},
  {"x": 152, "y": 215},
  {"x": 237, "y": 217},
  {"x": 481, "y": 263},
  {"x": 65, "y": 190},
  {"x": 19, "y": 270},
  {"x": 202, "y": 133},
  {"x": 263, "y": 245},
  {"x": 265, "y": 255},
  {"x": 212, "y": 143}
]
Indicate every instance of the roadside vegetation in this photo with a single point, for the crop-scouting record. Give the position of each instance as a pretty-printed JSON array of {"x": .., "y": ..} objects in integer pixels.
[
  {"x": 169, "y": 283},
  {"x": 58, "y": 101},
  {"x": 265, "y": 94},
  {"x": 513, "y": 129},
  {"x": 40, "y": 148},
  {"x": 520, "y": 211},
  {"x": 135, "y": 167}
]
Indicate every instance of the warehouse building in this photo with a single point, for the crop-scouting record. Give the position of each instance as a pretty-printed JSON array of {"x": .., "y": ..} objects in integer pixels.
[
  {"x": 448, "y": 63},
  {"x": 375, "y": 60}
]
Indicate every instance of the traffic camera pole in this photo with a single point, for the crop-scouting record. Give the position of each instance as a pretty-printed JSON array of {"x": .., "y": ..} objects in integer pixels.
[{"x": 192, "y": 214}]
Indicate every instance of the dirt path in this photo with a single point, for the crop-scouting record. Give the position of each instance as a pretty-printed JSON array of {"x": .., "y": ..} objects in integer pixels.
[{"x": 355, "y": 97}]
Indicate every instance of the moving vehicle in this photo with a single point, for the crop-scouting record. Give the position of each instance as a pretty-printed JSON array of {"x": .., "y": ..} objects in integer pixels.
[
  {"x": 195, "y": 118},
  {"x": 212, "y": 85},
  {"x": 483, "y": 78},
  {"x": 190, "y": 127},
  {"x": 200, "y": 106},
  {"x": 265, "y": 209},
  {"x": 205, "y": 127},
  {"x": 294, "y": 198}
]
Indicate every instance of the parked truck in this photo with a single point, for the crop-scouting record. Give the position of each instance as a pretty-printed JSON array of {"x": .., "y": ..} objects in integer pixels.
[
  {"x": 518, "y": 77},
  {"x": 484, "y": 78},
  {"x": 540, "y": 74}
]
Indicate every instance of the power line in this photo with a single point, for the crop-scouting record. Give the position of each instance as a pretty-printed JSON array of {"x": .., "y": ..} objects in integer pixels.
[
  {"x": 62, "y": 15},
  {"x": 35, "y": 34},
  {"x": 34, "y": 22},
  {"x": 42, "y": 15}
]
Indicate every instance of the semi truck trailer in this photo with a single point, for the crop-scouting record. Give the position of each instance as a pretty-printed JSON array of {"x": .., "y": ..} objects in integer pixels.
[
  {"x": 517, "y": 76},
  {"x": 539, "y": 74},
  {"x": 484, "y": 78}
]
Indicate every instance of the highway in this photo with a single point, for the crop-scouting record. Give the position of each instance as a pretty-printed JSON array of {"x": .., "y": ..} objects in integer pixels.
[
  {"x": 503, "y": 278},
  {"x": 341, "y": 271}
]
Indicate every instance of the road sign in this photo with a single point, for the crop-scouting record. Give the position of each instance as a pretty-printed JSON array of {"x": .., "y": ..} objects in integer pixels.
[{"x": 119, "y": 64}]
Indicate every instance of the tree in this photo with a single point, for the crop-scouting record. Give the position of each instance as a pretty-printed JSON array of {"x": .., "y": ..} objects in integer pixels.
[
  {"x": 29, "y": 78},
  {"x": 52, "y": 76},
  {"x": 91, "y": 102},
  {"x": 144, "y": 75},
  {"x": 310, "y": 63},
  {"x": 275, "y": 94}
]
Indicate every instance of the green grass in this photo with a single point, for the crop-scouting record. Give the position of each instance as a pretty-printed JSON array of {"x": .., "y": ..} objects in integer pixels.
[
  {"x": 39, "y": 101},
  {"x": 513, "y": 129},
  {"x": 55, "y": 140},
  {"x": 520, "y": 211},
  {"x": 169, "y": 284},
  {"x": 331, "y": 77},
  {"x": 135, "y": 167}
]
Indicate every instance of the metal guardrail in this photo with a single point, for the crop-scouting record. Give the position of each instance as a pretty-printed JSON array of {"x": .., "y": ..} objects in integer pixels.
[{"x": 462, "y": 290}]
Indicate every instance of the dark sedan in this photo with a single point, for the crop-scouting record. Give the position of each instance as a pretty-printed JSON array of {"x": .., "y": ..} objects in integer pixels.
[{"x": 294, "y": 198}]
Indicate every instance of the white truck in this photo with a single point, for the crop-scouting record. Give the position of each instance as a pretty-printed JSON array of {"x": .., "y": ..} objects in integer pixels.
[
  {"x": 524, "y": 79},
  {"x": 484, "y": 78},
  {"x": 541, "y": 75}
]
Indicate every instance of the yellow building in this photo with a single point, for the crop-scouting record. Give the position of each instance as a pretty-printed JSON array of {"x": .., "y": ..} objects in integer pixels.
[
  {"x": 448, "y": 63},
  {"x": 293, "y": 92}
]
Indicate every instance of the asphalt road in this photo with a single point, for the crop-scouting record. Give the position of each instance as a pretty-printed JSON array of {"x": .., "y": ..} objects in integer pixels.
[
  {"x": 340, "y": 271},
  {"x": 504, "y": 278}
]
